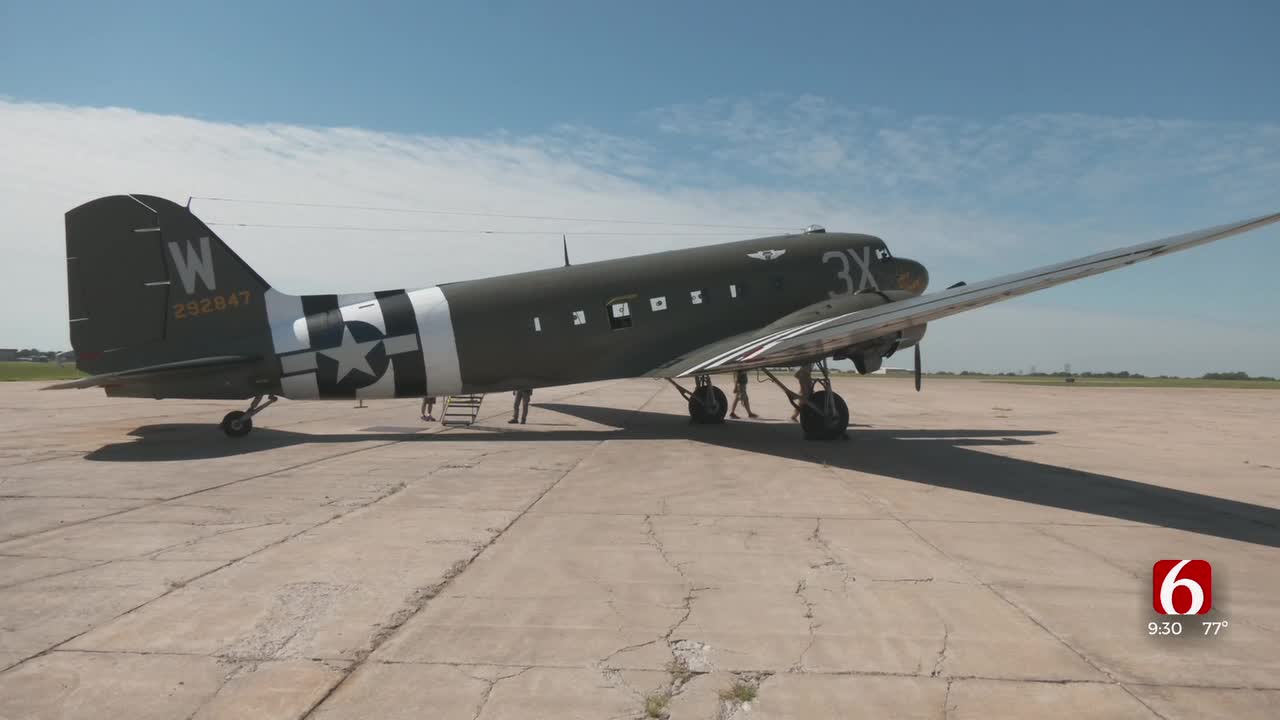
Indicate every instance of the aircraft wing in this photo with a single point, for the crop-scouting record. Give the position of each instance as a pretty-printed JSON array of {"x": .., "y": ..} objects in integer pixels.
[
  {"x": 805, "y": 341},
  {"x": 153, "y": 372}
]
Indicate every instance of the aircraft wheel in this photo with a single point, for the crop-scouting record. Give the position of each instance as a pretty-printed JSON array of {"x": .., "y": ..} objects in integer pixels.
[
  {"x": 237, "y": 424},
  {"x": 819, "y": 427},
  {"x": 708, "y": 405}
]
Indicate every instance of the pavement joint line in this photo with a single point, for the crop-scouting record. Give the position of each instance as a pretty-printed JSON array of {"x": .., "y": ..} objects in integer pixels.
[
  {"x": 93, "y": 565},
  {"x": 992, "y": 589},
  {"x": 150, "y": 555},
  {"x": 313, "y": 461},
  {"x": 806, "y": 516},
  {"x": 587, "y": 490},
  {"x": 207, "y": 489},
  {"x": 460, "y": 567},
  {"x": 1088, "y": 551},
  {"x": 174, "y": 588},
  {"x": 555, "y": 666},
  {"x": 1083, "y": 656},
  {"x": 396, "y": 489}
]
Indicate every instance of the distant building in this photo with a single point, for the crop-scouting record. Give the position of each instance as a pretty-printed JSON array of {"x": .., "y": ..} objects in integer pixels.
[
  {"x": 885, "y": 370},
  {"x": 8, "y": 354}
]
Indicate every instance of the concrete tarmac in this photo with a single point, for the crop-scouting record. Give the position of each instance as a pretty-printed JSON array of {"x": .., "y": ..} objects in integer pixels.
[{"x": 976, "y": 550}]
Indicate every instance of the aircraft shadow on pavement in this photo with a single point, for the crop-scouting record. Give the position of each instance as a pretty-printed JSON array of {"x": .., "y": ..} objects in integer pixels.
[{"x": 939, "y": 458}]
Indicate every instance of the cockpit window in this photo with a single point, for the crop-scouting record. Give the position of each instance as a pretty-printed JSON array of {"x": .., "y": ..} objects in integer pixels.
[{"x": 882, "y": 253}]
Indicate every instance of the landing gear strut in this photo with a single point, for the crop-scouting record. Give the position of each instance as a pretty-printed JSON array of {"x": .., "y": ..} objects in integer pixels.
[
  {"x": 824, "y": 414},
  {"x": 238, "y": 423},
  {"x": 707, "y": 403}
]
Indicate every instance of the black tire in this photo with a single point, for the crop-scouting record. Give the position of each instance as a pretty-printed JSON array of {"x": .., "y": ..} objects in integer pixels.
[
  {"x": 816, "y": 425},
  {"x": 708, "y": 405},
  {"x": 237, "y": 423}
]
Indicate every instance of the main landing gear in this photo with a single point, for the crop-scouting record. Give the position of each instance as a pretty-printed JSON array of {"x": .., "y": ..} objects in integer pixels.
[
  {"x": 707, "y": 403},
  {"x": 238, "y": 423},
  {"x": 824, "y": 414}
]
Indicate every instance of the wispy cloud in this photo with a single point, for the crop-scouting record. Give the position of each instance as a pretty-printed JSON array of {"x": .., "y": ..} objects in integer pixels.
[
  {"x": 1038, "y": 163},
  {"x": 971, "y": 198}
]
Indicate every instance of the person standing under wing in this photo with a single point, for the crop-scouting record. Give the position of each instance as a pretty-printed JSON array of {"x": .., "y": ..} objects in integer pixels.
[
  {"x": 740, "y": 395},
  {"x": 520, "y": 410}
]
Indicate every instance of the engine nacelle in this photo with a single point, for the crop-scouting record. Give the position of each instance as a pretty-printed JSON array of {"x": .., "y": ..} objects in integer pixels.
[{"x": 868, "y": 356}]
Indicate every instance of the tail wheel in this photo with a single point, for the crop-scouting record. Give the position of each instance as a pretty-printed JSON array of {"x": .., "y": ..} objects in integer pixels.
[
  {"x": 237, "y": 423},
  {"x": 818, "y": 425},
  {"x": 708, "y": 405}
]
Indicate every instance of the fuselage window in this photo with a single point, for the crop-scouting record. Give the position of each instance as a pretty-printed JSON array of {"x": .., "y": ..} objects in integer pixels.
[
  {"x": 695, "y": 297},
  {"x": 658, "y": 304},
  {"x": 619, "y": 315},
  {"x": 537, "y": 324},
  {"x": 579, "y": 317},
  {"x": 733, "y": 291}
]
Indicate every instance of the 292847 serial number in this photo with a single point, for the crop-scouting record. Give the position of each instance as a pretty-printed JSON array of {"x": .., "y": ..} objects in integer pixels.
[{"x": 211, "y": 304}]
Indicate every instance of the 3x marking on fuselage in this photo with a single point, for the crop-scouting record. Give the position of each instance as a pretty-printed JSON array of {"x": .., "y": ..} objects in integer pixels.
[{"x": 863, "y": 261}]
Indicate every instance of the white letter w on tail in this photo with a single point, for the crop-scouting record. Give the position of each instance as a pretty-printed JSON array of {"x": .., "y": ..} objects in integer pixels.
[{"x": 193, "y": 264}]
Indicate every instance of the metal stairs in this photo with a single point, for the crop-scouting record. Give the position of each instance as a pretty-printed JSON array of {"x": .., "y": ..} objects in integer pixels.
[{"x": 461, "y": 410}]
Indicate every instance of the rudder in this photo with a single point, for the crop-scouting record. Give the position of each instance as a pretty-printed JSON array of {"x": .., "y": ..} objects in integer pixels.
[{"x": 149, "y": 283}]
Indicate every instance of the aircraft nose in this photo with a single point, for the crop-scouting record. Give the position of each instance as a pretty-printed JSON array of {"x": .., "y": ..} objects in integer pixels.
[{"x": 912, "y": 276}]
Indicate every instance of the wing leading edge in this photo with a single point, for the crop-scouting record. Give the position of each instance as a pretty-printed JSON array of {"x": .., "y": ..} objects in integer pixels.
[{"x": 804, "y": 342}]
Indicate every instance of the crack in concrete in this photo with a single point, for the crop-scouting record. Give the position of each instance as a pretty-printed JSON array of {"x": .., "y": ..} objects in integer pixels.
[
  {"x": 420, "y": 599},
  {"x": 293, "y": 611},
  {"x": 831, "y": 560},
  {"x": 942, "y": 654},
  {"x": 688, "y": 657},
  {"x": 488, "y": 691},
  {"x": 732, "y": 703},
  {"x": 236, "y": 671},
  {"x": 691, "y": 591},
  {"x": 171, "y": 588},
  {"x": 813, "y": 624},
  {"x": 990, "y": 588}
]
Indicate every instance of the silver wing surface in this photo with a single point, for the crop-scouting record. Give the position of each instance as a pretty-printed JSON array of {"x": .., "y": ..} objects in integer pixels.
[{"x": 805, "y": 341}]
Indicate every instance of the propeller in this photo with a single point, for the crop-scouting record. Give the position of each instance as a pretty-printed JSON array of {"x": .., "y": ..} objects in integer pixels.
[
  {"x": 917, "y": 367},
  {"x": 917, "y": 346}
]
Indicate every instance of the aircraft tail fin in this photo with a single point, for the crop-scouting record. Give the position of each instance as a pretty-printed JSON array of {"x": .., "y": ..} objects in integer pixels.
[{"x": 148, "y": 283}]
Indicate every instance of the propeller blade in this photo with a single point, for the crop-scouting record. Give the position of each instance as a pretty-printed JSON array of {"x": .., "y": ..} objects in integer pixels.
[{"x": 917, "y": 367}]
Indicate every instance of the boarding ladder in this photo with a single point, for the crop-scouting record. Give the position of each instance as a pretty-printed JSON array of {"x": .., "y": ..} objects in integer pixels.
[{"x": 461, "y": 410}]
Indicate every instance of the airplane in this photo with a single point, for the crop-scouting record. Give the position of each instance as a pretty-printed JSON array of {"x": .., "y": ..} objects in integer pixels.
[{"x": 160, "y": 307}]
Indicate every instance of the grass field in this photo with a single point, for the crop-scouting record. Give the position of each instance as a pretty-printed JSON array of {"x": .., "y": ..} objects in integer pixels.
[
  {"x": 37, "y": 371},
  {"x": 1102, "y": 382},
  {"x": 1144, "y": 382},
  {"x": 1123, "y": 382}
]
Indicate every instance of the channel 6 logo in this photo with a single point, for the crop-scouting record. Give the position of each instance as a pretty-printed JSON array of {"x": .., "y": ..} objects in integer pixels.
[{"x": 1182, "y": 587}]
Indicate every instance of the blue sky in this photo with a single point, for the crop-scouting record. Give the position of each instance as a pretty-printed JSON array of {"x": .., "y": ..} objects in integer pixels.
[
  {"x": 978, "y": 137},
  {"x": 479, "y": 66}
]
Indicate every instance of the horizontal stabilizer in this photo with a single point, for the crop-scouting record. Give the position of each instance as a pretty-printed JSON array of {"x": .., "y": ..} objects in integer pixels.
[{"x": 152, "y": 372}]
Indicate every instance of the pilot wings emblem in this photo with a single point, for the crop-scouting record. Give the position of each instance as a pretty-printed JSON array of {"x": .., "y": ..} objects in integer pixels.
[{"x": 767, "y": 254}]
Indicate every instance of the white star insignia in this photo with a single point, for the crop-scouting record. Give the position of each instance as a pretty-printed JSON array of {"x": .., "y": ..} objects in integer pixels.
[{"x": 351, "y": 355}]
